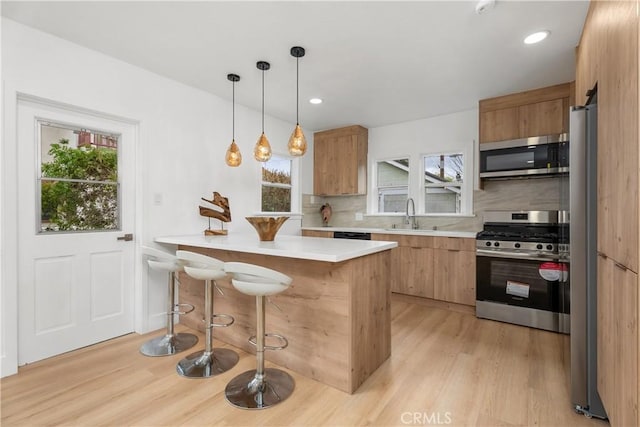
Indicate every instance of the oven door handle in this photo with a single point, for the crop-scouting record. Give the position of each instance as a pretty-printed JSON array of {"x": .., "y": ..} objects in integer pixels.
[{"x": 515, "y": 255}]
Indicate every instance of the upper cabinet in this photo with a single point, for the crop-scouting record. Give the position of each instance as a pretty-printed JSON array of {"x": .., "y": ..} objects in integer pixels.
[
  {"x": 340, "y": 161},
  {"x": 535, "y": 112},
  {"x": 608, "y": 55}
]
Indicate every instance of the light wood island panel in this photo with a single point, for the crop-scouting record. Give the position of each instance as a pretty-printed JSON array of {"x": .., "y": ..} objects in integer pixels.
[{"x": 336, "y": 316}]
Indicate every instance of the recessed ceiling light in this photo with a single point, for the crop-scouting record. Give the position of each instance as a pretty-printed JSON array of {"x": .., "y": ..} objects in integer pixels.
[
  {"x": 536, "y": 37},
  {"x": 315, "y": 101}
]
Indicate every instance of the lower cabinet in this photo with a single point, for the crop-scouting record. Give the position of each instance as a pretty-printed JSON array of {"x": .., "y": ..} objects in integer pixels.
[
  {"x": 411, "y": 264},
  {"x": 454, "y": 272},
  {"x": 618, "y": 342},
  {"x": 442, "y": 268},
  {"x": 454, "y": 276},
  {"x": 412, "y": 271}
]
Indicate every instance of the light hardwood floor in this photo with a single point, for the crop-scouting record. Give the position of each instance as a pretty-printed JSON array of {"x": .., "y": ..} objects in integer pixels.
[{"x": 445, "y": 366}]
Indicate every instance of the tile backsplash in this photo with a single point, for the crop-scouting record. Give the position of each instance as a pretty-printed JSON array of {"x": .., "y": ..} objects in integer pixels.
[{"x": 513, "y": 194}]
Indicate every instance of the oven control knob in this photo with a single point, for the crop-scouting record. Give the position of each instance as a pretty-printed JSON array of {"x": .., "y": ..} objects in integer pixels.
[
  {"x": 538, "y": 246},
  {"x": 488, "y": 243},
  {"x": 549, "y": 247},
  {"x": 496, "y": 244},
  {"x": 517, "y": 245}
]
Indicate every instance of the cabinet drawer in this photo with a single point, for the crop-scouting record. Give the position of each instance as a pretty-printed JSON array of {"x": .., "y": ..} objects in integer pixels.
[
  {"x": 406, "y": 240},
  {"x": 316, "y": 233},
  {"x": 454, "y": 243}
]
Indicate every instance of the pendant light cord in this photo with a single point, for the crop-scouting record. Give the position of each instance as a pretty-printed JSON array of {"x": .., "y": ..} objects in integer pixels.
[
  {"x": 262, "y": 101},
  {"x": 297, "y": 93},
  {"x": 233, "y": 112}
]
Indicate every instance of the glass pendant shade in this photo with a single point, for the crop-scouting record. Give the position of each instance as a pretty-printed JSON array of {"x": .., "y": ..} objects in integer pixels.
[
  {"x": 233, "y": 156},
  {"x": 262, "y": 150},
  {"x": 297, "y": 142}
]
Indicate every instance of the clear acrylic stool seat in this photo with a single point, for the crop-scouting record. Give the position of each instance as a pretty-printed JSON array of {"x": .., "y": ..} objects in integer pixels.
[{"x": 259, "y": 388}]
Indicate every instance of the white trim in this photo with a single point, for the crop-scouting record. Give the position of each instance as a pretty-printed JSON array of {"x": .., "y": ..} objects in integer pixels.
[
  {"x": 276, "y": 185},
  {"x": 295, "y": 186},
  {"x": 11, "y": 95},
  {"x": 141, "y": 315},
  {"x": 466, "y": 202},
  {"x": 9, "y": 229},
  {"x": 372, "y": 196}
]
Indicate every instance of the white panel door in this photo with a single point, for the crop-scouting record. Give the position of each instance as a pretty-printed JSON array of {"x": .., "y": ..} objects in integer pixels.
[{"x": 75, "y": 278}]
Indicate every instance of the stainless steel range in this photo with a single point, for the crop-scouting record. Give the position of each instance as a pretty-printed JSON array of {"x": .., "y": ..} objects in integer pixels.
[{"x": 522, "y": 269}]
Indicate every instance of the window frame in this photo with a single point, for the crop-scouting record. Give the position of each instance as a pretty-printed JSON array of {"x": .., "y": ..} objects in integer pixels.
[
  {"x": 374, "y": 198},
  {"x": 294, "y": 186},
  {"x": 39, "y": 178},
  {"x": 464, "y": 186}
]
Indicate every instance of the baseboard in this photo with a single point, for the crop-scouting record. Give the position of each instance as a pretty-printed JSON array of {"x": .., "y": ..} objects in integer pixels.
[{"x": 429, "y": 302}]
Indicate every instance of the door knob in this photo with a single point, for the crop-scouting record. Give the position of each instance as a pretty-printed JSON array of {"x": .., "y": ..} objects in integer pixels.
[{"x": 127, "y": 237}]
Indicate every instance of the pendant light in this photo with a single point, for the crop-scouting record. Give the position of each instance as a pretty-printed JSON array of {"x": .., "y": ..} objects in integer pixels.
[
  {"x": 233, "y": 156},
  {"x": 262, "y": 150},
  {"x": 297, "y": 140}
]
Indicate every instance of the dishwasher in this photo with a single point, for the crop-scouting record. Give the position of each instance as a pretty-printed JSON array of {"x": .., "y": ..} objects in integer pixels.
[{"x": 353, "y": 235}]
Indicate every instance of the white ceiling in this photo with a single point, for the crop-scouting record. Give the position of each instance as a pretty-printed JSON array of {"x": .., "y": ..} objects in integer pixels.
[{"x": 373, "y": 63}]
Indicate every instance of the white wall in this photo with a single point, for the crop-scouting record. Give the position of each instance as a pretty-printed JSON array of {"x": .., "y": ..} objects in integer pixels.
[
  {"x": 183, "y": 136},
  {"x": 457, "y": 132}
]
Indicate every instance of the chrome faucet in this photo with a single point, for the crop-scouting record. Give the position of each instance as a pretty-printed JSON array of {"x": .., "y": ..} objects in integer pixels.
[{"x": 411, "y": 218}]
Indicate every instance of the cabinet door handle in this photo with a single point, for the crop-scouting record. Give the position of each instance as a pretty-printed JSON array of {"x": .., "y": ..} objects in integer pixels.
[
  {"x": 453, "y": 250},
  {"x": 620, "y": 266}
]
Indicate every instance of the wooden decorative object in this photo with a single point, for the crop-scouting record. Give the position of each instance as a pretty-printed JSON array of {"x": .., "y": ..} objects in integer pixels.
[
  {"x": 326, "y": 211},
  {"x": 267, "y": 226},
  {"x": 223, "y": 216}
]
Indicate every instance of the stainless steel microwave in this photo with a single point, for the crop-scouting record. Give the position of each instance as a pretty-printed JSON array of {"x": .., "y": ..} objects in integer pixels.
[{"x": 540, "y": 155}]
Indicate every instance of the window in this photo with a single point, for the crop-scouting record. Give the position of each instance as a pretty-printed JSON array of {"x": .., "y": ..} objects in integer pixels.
[
  {"x": 443, "y": 179},
  {"x": 276, "y": 185},
  {"x": 392, "y": 184},
  {"x": 78, "y": 182}
]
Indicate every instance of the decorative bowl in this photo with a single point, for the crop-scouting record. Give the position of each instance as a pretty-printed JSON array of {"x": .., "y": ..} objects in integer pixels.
[{"x": 267, "y": 226}]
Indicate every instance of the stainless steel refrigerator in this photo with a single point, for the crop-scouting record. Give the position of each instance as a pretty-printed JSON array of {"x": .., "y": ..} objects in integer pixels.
[{"x": 583, "y": 250}]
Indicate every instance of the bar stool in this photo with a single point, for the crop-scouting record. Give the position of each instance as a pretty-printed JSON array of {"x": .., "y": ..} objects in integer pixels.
[
  {"x": 208, "y": 362},
  {"x": 259, "y": 388},
  {"x": 170, "y": 343}
]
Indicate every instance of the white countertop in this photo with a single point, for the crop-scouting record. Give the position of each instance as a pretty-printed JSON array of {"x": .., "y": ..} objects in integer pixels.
[
  {"x": 419, "y": 232},
  {"x": 312, "y": 248}
]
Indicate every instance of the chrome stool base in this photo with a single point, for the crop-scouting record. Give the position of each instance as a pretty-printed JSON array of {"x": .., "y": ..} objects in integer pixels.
[
  {"x": 246, "y": 391},
  {"x": 203, "y": 364},
  {"x": 168, "y": 344}
]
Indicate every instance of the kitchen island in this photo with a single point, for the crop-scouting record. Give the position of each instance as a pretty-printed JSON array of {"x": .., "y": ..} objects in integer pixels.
[{"x": 336, "y": 314}]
